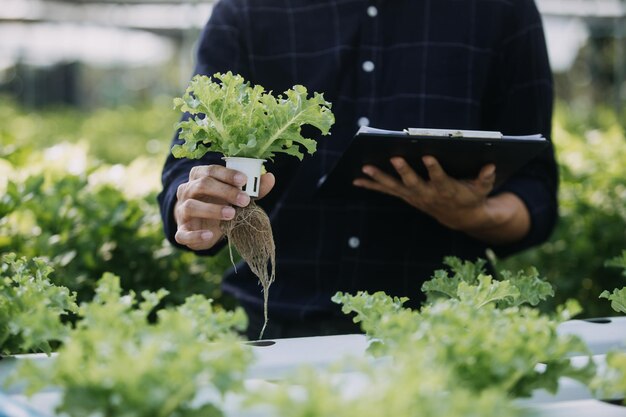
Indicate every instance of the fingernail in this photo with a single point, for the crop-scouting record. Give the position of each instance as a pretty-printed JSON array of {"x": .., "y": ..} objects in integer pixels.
[
  {"x": 206, "y": 235},
  {"x": 240, "y": 179},
  {"x": 368, "y": 170},
  {"x": 428, "y": 161},
  {"x": 228, "y": 213},
  {"x": 243, "y": 199},
  {"x": 490, "y": 171}
]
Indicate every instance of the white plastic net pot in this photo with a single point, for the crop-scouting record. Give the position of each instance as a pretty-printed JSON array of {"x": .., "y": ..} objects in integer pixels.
[{"x": 252, "y": 168}]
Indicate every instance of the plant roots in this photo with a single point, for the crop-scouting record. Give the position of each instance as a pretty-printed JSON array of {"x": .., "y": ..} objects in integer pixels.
[{"x": 250, "y": 232}]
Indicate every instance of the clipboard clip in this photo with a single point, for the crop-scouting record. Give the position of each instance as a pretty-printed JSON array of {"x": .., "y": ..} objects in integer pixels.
[{"x": 454, "y": 133}]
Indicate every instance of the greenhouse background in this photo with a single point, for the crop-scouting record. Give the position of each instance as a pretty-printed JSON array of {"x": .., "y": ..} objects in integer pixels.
[
  {"x": 86, "y": 119},
  {"x": 99, "y": 52}
]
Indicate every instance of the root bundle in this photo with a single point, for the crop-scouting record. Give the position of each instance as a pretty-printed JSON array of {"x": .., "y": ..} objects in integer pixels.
[{"x": 251, "y": 234}]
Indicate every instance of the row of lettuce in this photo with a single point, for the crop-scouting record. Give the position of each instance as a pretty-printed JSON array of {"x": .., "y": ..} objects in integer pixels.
[
  {"x": 472, "y": 349},
  {"x": 79, "y": 188}
]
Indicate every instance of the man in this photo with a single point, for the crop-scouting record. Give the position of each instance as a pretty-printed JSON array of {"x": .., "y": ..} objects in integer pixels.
[{"x": 462, "y": 64}]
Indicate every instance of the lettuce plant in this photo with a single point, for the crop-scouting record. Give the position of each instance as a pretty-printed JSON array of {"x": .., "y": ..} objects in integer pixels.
[
  {"x": 235, "y": 119},
  {"x": 483, "y": 330},
  {"x": 31, "y": 307},
  {"x": 118, "y": 362}
]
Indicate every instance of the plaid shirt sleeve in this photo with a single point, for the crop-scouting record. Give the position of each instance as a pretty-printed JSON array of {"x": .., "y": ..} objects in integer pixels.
[{"x": 523, "y": 107}]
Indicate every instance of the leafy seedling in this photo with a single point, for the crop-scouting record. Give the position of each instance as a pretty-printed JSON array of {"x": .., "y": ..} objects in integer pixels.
[{"x": 230, "y": 117}]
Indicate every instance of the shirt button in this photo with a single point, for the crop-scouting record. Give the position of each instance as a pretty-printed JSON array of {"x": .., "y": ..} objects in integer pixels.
[
  {"x": 363, "y": 121},
  {"x": 372, "y": 11},
  {"x": 368, "y": 66},
  {"x": 354, "y": 242}
]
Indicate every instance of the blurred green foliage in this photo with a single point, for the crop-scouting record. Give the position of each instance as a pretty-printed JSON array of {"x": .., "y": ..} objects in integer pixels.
[
  {"x": 62, "y": 202},
  {"x": 115, "y": 135},
  {"x": 592, "y": 224}
]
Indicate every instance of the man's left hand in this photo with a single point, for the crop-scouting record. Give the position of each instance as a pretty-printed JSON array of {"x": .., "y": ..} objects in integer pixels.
[{"x": 457, "y": 204}]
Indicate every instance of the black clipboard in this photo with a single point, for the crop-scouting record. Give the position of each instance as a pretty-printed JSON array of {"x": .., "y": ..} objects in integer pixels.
[{"x": 461, "y": 153}]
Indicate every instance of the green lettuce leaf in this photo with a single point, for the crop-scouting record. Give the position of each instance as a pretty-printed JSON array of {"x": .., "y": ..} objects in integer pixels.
[
  {"x": 231, "y": 117},
  {"x": 617, "y": 299},
  {"x": 469, "y": 281}
]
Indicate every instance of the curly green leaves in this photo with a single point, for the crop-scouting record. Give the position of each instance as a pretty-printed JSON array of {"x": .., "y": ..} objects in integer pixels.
[{"x": 229, "y": 116}]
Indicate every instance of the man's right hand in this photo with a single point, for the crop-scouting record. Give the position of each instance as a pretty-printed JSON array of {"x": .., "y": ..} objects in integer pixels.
[{"x": 207, "y": 199}]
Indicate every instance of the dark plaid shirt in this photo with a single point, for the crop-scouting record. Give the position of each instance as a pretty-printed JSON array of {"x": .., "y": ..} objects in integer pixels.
[{"x": 467, "y": 64}]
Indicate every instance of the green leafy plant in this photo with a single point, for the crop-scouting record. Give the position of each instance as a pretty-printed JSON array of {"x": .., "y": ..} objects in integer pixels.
[
  {"x": 31, "y": 308},
  {"x": 231, "y": 117},
  {"x": 235, "y": 119},
  {"x": 523, "y": 287},
  {"x": 483, "y": 332},
  {"x": 617, "y": 299},
  {"x": 116, "y": 362}
]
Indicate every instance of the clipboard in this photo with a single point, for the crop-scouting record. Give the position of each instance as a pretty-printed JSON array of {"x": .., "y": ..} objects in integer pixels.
[{"x": 461, "y": 153}]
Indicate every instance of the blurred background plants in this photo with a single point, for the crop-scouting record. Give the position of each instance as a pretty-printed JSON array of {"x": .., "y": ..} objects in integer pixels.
[
  {"x": 92, "y": 209},
  {"x": 592, "y": 198}
]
